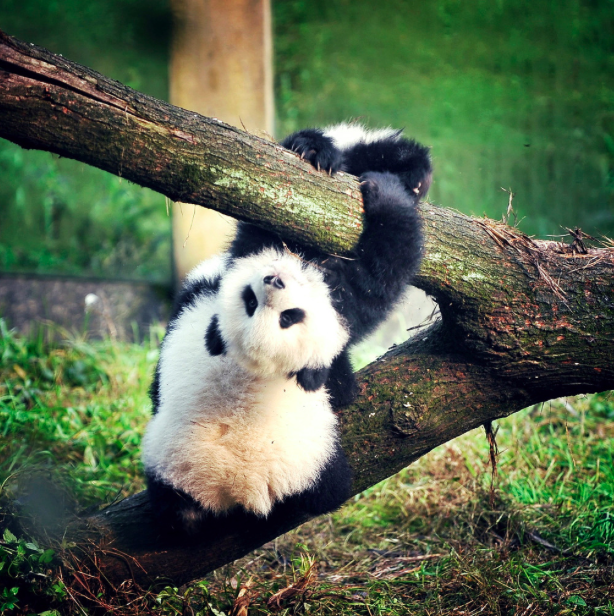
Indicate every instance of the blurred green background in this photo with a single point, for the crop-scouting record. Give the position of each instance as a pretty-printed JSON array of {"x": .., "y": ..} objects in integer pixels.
[{"x": 509, "y": 93}]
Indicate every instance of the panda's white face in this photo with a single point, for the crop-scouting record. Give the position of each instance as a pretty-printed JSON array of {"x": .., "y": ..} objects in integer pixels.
[{"x": 276, "y": 315}]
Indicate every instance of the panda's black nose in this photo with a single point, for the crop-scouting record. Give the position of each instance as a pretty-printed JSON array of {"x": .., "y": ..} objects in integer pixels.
[{"x": 276, "y": 281}]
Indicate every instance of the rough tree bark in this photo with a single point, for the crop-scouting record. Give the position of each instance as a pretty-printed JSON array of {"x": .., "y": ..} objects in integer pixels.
[
  {"x": 49, "y": 103},
  {"x": 522, "y": 321}
]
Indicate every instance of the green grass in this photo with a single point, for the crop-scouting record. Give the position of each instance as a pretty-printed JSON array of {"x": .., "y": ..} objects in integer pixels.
[
  {"x": 430, "y": 540},
  {"x": 75, "y": 411}
]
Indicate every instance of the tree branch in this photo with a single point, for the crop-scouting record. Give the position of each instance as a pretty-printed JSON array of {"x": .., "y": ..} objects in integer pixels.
[
  {"x": 49, "y": 103},
  {"x": 522, "y": 321}
]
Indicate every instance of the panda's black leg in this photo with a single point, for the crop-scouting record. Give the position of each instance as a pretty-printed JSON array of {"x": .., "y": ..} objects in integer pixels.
[
  {"x": 341, "y": 383},
  {"x": 331, "y": 490},
  {"x": 174, "y": 510},
  {"x": 313, "y": 145},
  {"x": 180, "y": 518}
]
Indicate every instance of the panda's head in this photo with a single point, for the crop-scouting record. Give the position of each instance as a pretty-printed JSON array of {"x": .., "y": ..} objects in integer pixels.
[{"x": 275, "y": 316}]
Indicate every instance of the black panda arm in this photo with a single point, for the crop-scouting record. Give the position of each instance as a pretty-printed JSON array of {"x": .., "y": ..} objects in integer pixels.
[
  {"x": 311, "y": 379},
  {"x": 191, "y": 292},
  {"x": 386, "y": 258},
  {"x": 250, "y": 239},
  {"x": 213, "y": 338},
  {"x": 395, "y": 173},
  {"x": 154, "y": 390}
]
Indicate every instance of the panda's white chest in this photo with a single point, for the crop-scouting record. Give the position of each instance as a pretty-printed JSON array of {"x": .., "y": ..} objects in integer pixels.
[
  {"x": 249, "y": 441},
  {"x": 286, "y": 421}
]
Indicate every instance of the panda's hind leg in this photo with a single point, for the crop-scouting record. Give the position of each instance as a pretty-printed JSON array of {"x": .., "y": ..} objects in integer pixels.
[
  {"x": 331, "y": 490},
  {"x": 173, "y": 510}
]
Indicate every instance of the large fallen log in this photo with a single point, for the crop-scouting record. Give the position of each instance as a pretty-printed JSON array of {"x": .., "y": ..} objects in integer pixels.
[{"x": 522, "y": 321}]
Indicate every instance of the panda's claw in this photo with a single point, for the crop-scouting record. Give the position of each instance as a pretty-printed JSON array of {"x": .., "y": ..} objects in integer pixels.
[{"x": 313, "y": 145}]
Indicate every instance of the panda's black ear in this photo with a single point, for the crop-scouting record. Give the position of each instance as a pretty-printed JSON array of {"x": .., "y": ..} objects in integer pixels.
[
  {"x": 311, "y": 379},
  {"x": 213, "y": 338}
]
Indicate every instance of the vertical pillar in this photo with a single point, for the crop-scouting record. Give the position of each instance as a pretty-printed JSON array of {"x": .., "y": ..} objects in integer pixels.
[{"x": 221, "y": 66}]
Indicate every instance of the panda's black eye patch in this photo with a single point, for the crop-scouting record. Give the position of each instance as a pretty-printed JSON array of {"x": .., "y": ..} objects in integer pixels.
[
  {"x": 250, "y": 300},
  {"x": 290, "y": 317}
]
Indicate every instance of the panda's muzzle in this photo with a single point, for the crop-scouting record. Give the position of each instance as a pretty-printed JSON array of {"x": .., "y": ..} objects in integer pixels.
[{"x": 274, "y": 281}]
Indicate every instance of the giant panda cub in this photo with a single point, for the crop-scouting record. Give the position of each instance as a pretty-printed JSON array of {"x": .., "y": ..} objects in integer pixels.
[{"x": 255, "y": 357}]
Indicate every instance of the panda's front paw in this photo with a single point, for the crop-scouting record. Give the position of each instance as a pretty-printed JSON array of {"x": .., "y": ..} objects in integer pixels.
[
  {"x": 315, "y": 147},
  {"x": 383, "y": 191}
]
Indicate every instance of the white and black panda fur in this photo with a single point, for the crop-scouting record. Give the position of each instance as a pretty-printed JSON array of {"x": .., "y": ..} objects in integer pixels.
[
  {"x": 255, "y": 356},
  {"x": 233, "y": 426}
]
